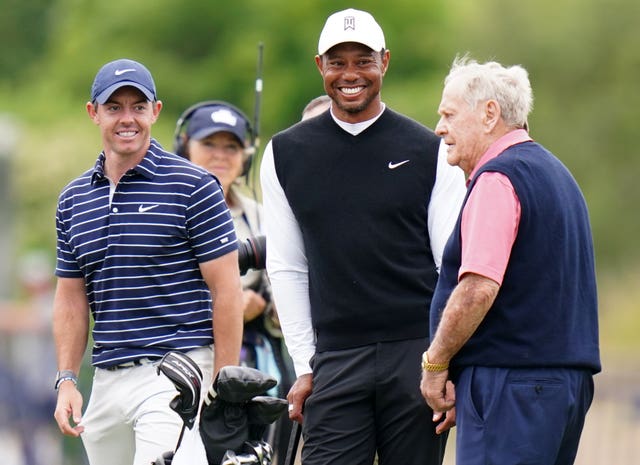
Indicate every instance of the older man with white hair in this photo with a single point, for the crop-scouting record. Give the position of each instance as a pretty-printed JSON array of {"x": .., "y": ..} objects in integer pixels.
[{"x": 514, "y": 324}]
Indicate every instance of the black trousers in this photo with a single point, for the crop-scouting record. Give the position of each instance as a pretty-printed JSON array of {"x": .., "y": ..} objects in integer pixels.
[{"x": 367, "y": 400}]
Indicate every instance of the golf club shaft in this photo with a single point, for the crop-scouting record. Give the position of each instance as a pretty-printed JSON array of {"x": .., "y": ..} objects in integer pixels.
[{"x": 294, "y": 440}]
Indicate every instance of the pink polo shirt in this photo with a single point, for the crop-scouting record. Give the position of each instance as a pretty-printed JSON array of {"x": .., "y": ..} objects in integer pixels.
[{"x": 491, "y": 216}]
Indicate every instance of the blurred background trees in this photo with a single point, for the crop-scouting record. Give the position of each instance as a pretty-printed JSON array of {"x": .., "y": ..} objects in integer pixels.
[{"x": 582, "y": 56}]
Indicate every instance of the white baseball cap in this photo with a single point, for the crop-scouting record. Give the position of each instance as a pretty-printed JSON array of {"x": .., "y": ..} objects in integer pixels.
[{"x": 351, "y": 26}]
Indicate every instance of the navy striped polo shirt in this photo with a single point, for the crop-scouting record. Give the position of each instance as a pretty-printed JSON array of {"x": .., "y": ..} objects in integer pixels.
[{"x": 139, "y": 254}]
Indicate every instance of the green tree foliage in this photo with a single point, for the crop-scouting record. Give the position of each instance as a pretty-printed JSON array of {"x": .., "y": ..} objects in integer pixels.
[
  {"x": 581, "y": 54},
  {"x": 584, "y": 64},
  {"x": 24, "y": 31},
  {"x": 196, "y": 50}
]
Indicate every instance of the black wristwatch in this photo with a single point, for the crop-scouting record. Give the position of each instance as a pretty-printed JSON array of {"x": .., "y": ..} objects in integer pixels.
[{"x": 65, "y": 375}]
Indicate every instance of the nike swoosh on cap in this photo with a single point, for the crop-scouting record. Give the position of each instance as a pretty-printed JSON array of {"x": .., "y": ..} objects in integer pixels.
[
  {"x": 393, "y": 166},
  {"x": 119, "y": 72}
]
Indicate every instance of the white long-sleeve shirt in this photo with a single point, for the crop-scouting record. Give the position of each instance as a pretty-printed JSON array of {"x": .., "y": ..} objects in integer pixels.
[{"x": 286, "y": 258}]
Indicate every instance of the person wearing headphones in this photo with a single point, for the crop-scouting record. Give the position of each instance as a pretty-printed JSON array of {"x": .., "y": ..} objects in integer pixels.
[{"x": 218, "y": 136}]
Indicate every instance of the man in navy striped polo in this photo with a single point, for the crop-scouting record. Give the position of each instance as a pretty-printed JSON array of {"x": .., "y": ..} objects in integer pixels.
[{"x": 146, "y": 245}]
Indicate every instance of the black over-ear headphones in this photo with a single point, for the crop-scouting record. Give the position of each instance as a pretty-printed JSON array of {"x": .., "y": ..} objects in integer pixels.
[{"x": 180, "y": 136}]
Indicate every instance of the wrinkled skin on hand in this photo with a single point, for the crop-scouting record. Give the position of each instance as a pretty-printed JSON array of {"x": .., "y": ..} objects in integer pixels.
[{"x": 440, "y": 394}]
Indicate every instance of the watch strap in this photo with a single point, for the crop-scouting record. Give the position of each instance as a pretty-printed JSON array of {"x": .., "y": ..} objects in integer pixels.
[
  {"x": 432, "y": 367},
  {"x": 65, "y": 375}
]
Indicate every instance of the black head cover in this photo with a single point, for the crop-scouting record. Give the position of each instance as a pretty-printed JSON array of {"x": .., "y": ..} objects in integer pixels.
[
  {"x": 240, "y": 384},
  {"x": 164, "y": 459},
  {"x": 261, "y": 412},
  {"x": 236, "y": 411},
  {"x": 187, "y": 378}
]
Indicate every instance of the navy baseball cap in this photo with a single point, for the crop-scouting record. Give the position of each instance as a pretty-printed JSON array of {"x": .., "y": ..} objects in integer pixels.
[
  {"x": 217, "y": 118},
  {"x": 120, "y": 73}
]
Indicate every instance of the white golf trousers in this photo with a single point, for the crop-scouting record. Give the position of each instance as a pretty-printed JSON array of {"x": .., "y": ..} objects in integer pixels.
[{"x": 128, "y": 419}]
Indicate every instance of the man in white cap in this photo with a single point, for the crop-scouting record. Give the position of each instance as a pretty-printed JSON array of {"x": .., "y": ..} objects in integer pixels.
[
  {"x": 359, "y": 202},
  {"x": 146, "y": 246}
]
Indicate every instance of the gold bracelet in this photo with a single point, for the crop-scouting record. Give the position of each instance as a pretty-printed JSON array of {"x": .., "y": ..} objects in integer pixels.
[{"x": 432, "y": 367}]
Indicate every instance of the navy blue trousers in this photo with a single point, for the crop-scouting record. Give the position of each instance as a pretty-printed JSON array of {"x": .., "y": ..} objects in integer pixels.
[
  {"x": 367, "y": 400},
  {"x": 520, "y": 416}
]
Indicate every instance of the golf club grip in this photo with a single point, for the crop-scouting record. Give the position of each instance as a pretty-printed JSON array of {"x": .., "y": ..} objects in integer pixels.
[{"x": 294, "y": 440}]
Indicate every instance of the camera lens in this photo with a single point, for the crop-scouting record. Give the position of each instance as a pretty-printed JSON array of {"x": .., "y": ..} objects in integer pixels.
[{"x": 252, "y": 254}]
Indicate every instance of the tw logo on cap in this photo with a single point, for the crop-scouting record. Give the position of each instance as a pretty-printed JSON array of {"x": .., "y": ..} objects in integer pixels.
[{"x": 349, "y": 23}]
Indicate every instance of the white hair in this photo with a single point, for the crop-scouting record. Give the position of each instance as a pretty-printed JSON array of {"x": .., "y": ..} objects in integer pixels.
[{"x": 510, "y": 87}]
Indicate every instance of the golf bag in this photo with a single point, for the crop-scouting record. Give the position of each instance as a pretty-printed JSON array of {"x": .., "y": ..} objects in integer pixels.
[{"x": 233, "y": 417}]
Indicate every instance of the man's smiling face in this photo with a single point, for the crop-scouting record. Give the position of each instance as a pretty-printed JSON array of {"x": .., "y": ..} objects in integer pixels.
[
  {"x": 352, "y": 75},
  {"x": 125, "y": 121}
]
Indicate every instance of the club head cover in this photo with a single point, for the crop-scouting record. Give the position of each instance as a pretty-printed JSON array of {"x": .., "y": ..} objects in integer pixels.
[
  {"x": 224, "y": 420},
  {"x": 165, "y": 459},
  {"x": 264, "y": 410},
  {"x": 223, "y": 427},
  {"x": 186, "y": 376},
  {"x": 240, "y": 384},
  {"x": 261, "y": 412}
]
